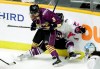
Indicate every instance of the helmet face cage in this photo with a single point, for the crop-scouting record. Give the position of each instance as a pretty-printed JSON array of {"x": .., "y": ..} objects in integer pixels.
[{"x": 34, "y": 9}]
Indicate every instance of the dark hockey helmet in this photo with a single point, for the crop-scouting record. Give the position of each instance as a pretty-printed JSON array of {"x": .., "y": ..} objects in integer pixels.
[
  {"x": 80, "y": 29},
  {"x": 34, "y": 9},
  {"x": 61, "y": 16}
]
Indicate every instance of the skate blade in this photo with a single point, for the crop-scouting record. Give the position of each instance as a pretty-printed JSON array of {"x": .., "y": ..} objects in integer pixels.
[
  {"x": 73, "y": 58},
  {"x": 58, "y": 65}
]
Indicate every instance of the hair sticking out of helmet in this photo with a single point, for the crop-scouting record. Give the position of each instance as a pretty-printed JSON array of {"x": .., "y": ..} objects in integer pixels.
[
  {"x": 34, "y": 9},
  {"x": 89, "y": 48}
]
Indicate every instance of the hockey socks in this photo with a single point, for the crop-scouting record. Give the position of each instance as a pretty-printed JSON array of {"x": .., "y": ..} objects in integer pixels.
[
  {"x": 53, "y": 53},
  {"x": 35, "y": 51},
  {"x": 29, "y": 54}
]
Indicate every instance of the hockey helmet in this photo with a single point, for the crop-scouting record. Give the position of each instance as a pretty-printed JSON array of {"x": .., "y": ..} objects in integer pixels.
[
  {"x": 61, "y": 16},
  {"x": 34, "y": 9},
  {"x": 80, "y": 29}
]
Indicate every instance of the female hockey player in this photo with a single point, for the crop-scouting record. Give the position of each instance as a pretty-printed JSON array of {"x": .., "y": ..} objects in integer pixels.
[
  {"x": 93, "y": 56},
  {"x": 46, "y": 21}
]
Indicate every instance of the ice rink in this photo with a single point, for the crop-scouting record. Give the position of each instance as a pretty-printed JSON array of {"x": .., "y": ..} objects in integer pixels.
[{"x": 42, "y": 61}]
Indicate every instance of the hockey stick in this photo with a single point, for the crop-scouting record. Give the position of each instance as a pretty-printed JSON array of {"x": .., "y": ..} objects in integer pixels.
[
  {"x": 25, "y": 27},
  {"x": 4, "y": 62},
  {"x": 18, "y": 26},
  {"x": 55, "y": 5},
  {"x": 7, "y": 62}
]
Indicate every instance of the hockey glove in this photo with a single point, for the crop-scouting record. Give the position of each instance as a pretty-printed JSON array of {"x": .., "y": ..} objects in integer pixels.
[
  {"x": 52, "y": 27},
  {"x": 33, "y": 26}
]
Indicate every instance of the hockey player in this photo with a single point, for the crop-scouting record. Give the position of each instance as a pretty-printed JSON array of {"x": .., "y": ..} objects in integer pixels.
[
  {"x": 64, "y": 33},
  {"x": 68, "y": 31},
  {"x": 46, "y": 21},
  {"x": 93, "y": 56}
]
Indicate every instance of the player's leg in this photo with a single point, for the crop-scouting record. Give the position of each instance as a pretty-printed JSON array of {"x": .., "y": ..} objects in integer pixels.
[
  {"x": 35, "y": 47},
  {"x": 54, "y": 53},
  {"x": 46, "y": 39},
  {"x": 33, "y": 51},
  {"x": 60, "y": 44},
  {"x": 70, "y": 48},
  {"x": 91, "y": 62},
  {"x": 51, "y": 49}
]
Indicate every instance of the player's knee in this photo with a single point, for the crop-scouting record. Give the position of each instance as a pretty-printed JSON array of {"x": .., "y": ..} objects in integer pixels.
[{"x": 69, "y": 44}]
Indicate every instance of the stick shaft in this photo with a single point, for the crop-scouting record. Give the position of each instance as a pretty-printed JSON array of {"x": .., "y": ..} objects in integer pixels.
[
  {"x": 55, "y": 5},
  {"x": 5, "y": 62},
  {"x": 18, "y": 26}
]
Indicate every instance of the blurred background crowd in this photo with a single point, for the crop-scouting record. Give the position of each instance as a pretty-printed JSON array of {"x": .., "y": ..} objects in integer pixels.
[{"x": 93, "y": 5}]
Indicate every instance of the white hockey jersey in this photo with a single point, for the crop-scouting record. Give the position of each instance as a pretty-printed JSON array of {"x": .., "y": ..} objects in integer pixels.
[
  {"x": 68, "y": 29},
  {"x": 68, "y": 32}
]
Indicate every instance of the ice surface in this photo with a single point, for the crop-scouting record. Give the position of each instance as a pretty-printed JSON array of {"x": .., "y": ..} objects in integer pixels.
[{"x": 42, "y": 61}]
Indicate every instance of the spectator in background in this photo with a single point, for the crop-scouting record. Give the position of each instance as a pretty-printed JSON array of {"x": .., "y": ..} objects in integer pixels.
[
  {"x": 85, "y": 5},
  {"x": 98, "y": 7}
]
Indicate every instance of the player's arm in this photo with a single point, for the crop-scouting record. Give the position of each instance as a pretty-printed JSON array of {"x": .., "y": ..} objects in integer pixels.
[
  {"x": 33, "y": 26},
  {"x": 53, "y": 19},
  {"x": 76, "y": 37},
  {"x": 72, "y": 35}
]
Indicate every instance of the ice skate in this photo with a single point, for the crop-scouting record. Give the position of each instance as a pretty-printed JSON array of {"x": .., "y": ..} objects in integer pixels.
[
  {"x": 74, "y": 56},
  {"x": 53, "y": 57},
  {"x": 57, "y": 62},
  {"x": 26, "y": 55}
]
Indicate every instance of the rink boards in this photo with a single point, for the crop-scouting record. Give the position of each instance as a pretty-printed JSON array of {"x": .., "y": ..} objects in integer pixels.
[{"x": 17, "y": 13}]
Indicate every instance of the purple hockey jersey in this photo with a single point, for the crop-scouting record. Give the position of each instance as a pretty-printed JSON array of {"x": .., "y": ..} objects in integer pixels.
[{"x": 46, "y": 18}]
